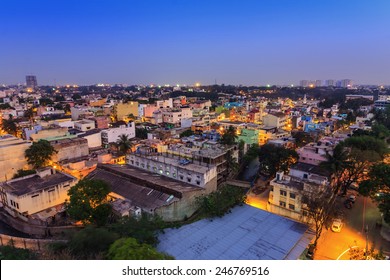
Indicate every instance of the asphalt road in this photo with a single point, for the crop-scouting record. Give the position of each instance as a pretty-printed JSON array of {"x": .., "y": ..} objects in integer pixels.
[{"x": 332, "y": 245}]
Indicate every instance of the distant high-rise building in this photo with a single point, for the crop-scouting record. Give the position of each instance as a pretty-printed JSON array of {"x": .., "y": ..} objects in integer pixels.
[
  {"x": 31, "y": 81},
  {"x": 346, "y": 83},
  {"x": 304, "y": 83},
  {"x": 330, "y": 83},
  {"x": 318, "y": 83}
]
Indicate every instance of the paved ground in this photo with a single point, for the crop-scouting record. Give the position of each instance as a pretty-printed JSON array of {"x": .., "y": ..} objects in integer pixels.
[
  {"x": 332, "y": 245},
  {"x": 364, "y": 213}
]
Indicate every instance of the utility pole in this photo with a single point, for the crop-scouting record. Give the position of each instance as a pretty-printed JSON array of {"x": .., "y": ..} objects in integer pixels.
[{"x": 366, "y": 230}]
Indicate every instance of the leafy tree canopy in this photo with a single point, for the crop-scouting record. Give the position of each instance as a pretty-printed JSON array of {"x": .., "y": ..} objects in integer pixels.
[
  {"x": 229, "y": 137},
  {"x": 90, "y": 242},
  {"x": 273, "y": 159},
  {"x": 39, "y": 153},
  {"x": 88, "y": 202},
  {"x": 22, "y": 173},
  {"x": 130, "y": 249},
  {"x": 378, "y": 187},
  {"x": 220, "y": 201}
]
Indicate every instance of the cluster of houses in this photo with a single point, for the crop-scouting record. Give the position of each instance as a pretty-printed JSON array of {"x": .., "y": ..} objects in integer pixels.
[{"x": 164, "y": 171}]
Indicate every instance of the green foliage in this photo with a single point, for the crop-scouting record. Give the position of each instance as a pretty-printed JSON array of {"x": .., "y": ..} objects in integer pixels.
[
  {"x": 186, "y": 133},
  {"x": 378, "y": 187},
  {"x": 302, "y": 138},
  {"x": 123, "y": 144},
  {"x": 90, "y": 242},
  {"x": 367, "y": 143},
  {"x": 22, "y": 173},
  {"x": 10, "y": 126},
  {"x": 11, "y": 253},
  {"x": 39, "y": 153},
  {"x": 5, "y": 106},
  {"x": 229, "y": 137},
  {"x": 67, "y": 108},
  {"x": 144, "y": 229},
  {"x": 273, "y": 159},
  {"x": 76, "y": 96},
  {"x": 252, "y": 153},
  {"x": 354, "y": 104},
  {"x": 45, "y": 101},
  {"x": 130, "y": 249},
  {"x": 220, "y": 201},
  {"x": 141, "y": 133},
  {"x": 88, "y": 202}
]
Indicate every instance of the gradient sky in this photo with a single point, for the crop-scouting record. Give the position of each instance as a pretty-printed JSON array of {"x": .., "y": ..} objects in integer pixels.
[{"x": 185, "y": 41}]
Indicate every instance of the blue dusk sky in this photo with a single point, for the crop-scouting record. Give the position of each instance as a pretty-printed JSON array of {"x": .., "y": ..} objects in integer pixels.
[{"x": 183, "y": 42}]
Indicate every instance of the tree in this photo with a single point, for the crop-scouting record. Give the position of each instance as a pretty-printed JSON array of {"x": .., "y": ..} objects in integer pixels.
[
  {"x": 10, "y": 253},
  {"x": 67, "y": 108},
  {"x": 29, "y": 113},
  {"x": 377, "y": 186},
  {"x": 144, "y": 229},
  {"x": 123, "y": 143},
  {"x": 186, "y": 133},
  {"x": 76, "y": 96},
  {"x": 217, "y": 203},
  {"x": 273, "y": 159},
  {"x": 229, "y": 137},
  {"x": 302, "y": 138},
  {"x": 130, "y": 249},
  {"x": 22, "y": 173},
  {"x": 45, "y": 101},
  {"x": 39, "y": 153},
  {"x": 141, "y": 133},
  {"x": 91, "y": 242},
  {"x": 88, "y": 202},
  {"x": 351, "y": 158},
  {"x": 131, "y": 117},
  {"x": 9, "y": 125},
  {"x": 319, "y": 205}
]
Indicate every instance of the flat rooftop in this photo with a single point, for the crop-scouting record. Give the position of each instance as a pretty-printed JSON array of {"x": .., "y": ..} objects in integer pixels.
[
  {"x": 247, "y": 233},
  {"x": 175, "y": 162},
  {"x": 36, "y": 183},
  {"x": 151, "y": 180}
]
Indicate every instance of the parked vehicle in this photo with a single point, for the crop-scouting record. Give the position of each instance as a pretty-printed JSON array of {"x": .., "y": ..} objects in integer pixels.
[
  {"x": 337, "y": 225},
  {"x": 348, "y": 204}
]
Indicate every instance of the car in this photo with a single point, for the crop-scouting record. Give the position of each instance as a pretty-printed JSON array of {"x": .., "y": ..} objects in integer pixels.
[
  {"x": 348, "y": 204},
  {"x": 352, "y": 198},
  {"x": 310, "y": 252},
  {"x": 337, "y": 225}
]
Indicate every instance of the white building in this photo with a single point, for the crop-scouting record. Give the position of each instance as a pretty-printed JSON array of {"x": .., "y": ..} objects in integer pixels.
[
  {"x": 84, "y": 125},
  {"x": 111, "y": 135},
  {"x": 175, "y": 168},
  {"x": 34, "y": 193},
  {"x": 287, "y": 191}
]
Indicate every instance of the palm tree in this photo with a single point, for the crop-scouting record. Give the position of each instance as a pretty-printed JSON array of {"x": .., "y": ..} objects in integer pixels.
[{"x": 123, "y": 144}]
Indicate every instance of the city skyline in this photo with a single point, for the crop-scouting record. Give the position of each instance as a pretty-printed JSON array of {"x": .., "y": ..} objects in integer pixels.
[{"x": 177, "y": 42}]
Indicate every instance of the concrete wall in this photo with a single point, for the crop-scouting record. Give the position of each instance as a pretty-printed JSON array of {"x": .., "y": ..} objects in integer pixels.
[
  {"x": 70, "y": 149},
  {"x": 12, "y": 156}
]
